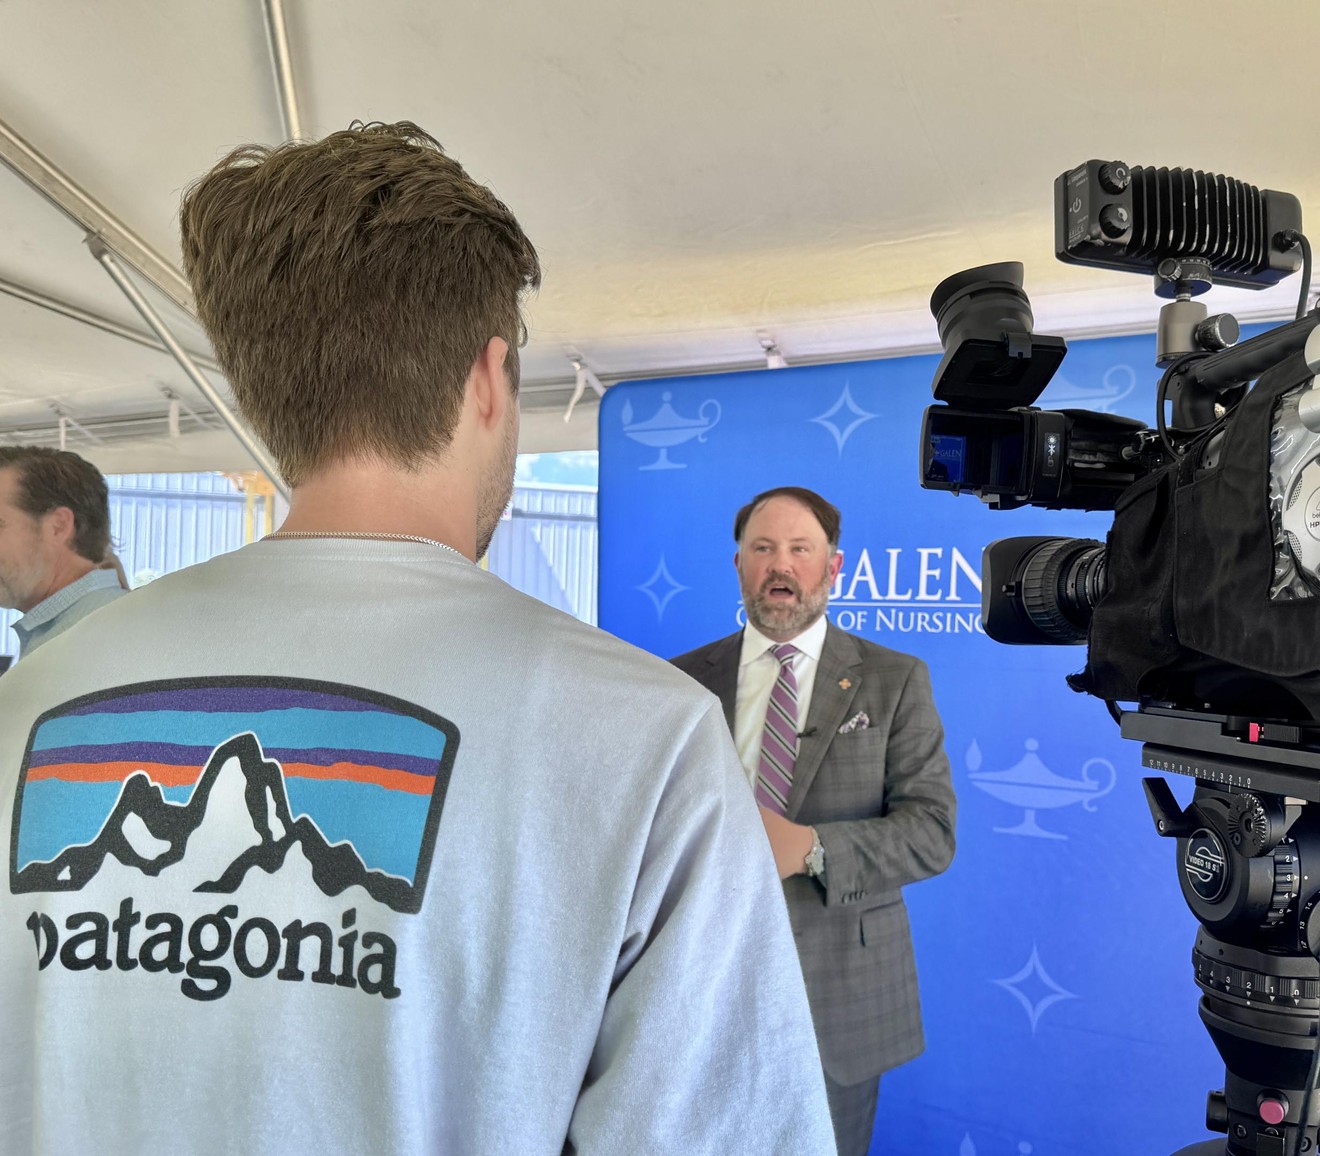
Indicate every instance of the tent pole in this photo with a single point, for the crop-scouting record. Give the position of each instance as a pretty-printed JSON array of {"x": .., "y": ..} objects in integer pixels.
[
  {"x": 277, "y": 33},
  {"x": 39, "y": 173},
  {"x": 112, "y": 242},
  {"x": 101, "y": 251},
  {"x": 94, "y": 320}
]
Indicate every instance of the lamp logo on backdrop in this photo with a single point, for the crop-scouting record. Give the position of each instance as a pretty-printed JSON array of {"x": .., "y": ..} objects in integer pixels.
[
  {"x": 1116, "y": 383},
  {"x": 667, "y": 428},
  {"x": 1032, "y": 786}
]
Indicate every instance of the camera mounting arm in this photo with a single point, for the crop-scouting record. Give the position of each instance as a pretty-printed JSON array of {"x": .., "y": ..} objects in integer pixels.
[
  {"x": 1184, "y": 325},
  {"x": 1198, "y": 384}
]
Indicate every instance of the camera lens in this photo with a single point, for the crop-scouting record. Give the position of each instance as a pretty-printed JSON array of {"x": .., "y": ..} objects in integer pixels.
[
  {"x": 1041, "y": 590},
  {"x": 1060, "y": 584}
]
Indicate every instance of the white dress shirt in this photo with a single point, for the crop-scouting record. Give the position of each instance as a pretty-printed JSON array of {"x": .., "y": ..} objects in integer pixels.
[{"x": 757, "y": 671}]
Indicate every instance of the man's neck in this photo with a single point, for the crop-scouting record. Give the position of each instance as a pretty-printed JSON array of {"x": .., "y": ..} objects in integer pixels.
[
  {"x": 778, "y": 636},
  {"x": 374, "y": 498},
  {"x": 67, "y": 571}
]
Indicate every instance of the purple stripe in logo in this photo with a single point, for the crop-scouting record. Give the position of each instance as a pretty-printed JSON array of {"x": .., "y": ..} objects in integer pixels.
[{"x": 224, "y": 699}]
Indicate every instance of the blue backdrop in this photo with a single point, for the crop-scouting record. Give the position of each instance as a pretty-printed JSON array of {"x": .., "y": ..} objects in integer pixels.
[{"x": 1055, "y": 954}]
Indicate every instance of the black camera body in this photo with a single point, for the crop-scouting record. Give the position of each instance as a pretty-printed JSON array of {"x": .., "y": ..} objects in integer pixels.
[
  {"x": 1203, "y": 604},
  {"x": 1187, "y": 228}
]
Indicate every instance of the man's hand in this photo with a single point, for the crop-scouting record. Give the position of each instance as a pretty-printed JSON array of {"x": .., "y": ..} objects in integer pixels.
[{"x": 791, "y": 843}]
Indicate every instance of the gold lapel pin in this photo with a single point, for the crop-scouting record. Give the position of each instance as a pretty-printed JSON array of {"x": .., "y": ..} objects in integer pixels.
[{"x": 845, "y": 683}]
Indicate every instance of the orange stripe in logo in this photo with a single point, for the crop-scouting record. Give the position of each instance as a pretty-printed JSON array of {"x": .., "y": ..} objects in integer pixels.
[{"x": 169, "y": 775}]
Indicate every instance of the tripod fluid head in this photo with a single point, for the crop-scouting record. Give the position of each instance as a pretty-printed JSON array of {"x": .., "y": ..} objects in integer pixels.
[{"x": 1249, "y": 868}]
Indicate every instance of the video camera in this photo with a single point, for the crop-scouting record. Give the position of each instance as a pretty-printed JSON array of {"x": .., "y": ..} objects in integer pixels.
[{"x": 1203, "y": 605}]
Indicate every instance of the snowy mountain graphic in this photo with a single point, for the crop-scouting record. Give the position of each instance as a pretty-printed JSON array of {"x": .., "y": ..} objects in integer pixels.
[
  {"x": 270, "y": 834},
  {"x": 323, "y": 777}
]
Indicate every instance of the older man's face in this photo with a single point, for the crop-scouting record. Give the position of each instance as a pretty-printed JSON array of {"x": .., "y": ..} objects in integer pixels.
[
  {"x": 785, "y": 568},
  {"x": 27, "y": 550}
]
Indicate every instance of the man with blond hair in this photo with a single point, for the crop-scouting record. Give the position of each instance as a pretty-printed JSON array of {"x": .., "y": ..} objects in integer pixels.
[{"x": 336, "y": 843}]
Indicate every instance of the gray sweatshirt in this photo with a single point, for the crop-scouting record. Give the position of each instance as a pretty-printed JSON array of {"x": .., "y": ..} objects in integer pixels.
[{"x": 333, "y": 846}]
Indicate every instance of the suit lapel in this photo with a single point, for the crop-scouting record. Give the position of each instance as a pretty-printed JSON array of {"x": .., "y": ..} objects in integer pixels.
[
  {"x": 840, "y": 662},
  {"x": 722, "y": 674}
]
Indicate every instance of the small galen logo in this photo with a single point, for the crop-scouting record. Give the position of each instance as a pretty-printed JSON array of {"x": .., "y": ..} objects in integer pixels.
[{"x": 263, "y": 789}]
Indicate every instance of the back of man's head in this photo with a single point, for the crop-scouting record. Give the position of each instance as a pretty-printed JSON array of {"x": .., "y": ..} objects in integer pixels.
[
  {"x": 48, "y": 479},
  {"x": 348, "y": 285}
]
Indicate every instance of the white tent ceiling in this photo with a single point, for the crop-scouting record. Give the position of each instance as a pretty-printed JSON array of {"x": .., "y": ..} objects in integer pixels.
[{"x": 693, "y": 173}]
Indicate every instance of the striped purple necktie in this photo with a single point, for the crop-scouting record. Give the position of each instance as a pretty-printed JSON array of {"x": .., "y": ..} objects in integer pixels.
[{"x": 779, "y": 740}]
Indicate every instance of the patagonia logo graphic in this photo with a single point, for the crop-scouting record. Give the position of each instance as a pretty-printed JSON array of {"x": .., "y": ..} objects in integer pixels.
[{"x": 234, "y": 800}]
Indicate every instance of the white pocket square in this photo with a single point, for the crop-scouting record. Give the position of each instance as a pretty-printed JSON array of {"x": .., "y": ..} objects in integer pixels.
[{"x": 859, "y": 722}]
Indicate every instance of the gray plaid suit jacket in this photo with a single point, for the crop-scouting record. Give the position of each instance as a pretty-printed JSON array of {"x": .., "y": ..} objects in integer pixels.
[{"x": 882, "y": 800}]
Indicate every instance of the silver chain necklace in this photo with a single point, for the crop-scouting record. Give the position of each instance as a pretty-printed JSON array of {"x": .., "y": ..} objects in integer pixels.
[{"x": 368, "y": 535}]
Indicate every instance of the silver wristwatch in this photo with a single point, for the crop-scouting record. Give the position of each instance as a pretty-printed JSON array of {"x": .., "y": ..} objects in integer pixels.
[{"x": 815, "y": 860}]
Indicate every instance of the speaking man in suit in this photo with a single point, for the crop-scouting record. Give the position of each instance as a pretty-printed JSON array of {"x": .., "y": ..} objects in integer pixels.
[{"x": 845, "y": 752}]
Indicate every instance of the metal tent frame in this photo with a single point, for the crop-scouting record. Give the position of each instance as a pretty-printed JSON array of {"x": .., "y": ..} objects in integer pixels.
[{"x": 122, "y": 253}]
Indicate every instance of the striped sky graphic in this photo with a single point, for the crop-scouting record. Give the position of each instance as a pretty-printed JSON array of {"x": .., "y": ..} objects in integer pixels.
[{"x": 362, "y": 767}]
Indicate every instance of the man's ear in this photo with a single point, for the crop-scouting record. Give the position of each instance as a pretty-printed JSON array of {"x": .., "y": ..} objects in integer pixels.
[
  {"x": 489, "y": 385},
  {"x": 836, "y": 564},
  {"x": 59, "y": 523}
]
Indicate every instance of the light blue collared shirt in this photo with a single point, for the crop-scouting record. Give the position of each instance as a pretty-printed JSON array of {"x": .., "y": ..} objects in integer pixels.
[{"x": 66, "y": 607}]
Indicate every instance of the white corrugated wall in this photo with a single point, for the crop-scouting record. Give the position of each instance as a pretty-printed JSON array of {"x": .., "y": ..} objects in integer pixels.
[{"x": 545, "y": 546}]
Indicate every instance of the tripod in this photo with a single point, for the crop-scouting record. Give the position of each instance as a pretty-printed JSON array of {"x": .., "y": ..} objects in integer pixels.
[{"x": 1249, "y": 868}]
